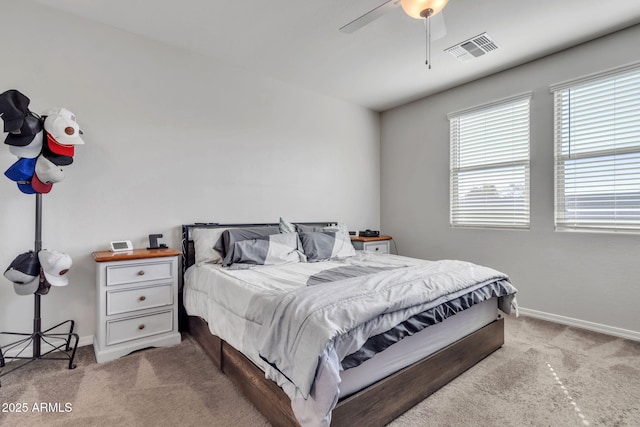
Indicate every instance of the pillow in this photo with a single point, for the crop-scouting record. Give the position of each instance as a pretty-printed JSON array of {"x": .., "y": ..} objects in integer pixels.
[
  {"x": 286, "y": 227},
  {"x": 326, "y": 245},
  {"x": 226, "y": 242},
  {"x": 203, "y": 241},
  {"x": 274, "y": 249},
  {"x": 302, "y": 228},
  {"x": 342, "y": 227}
]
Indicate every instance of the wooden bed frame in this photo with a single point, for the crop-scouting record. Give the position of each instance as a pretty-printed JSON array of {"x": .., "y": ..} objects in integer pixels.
[{"x": 408, "y": 386}]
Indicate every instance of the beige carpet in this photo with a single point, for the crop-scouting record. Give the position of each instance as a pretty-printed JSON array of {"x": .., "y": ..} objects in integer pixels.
[{"x": 544, "y": 375}]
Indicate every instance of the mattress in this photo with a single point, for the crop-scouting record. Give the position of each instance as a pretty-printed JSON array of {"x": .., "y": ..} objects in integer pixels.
[{"x": 418, "y": 346}]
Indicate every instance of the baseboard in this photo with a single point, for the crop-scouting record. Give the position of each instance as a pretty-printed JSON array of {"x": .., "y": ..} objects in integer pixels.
[
  {"x": 44, "y": 347},
  {"x": 86, "y": 340},
  {"x": 591, "y": 326}
]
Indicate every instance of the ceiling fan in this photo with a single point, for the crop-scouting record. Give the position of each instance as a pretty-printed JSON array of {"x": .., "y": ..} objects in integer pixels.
[{"x": 427, "y": 10}]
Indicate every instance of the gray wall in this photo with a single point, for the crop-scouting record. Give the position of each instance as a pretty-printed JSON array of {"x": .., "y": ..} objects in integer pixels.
[
  {"x": 171, "y": 138},
  {"x": 590, "y": 280}
]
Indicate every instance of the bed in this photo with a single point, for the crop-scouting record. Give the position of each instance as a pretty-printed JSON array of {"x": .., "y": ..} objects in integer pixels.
[{"x": 254, "y": 319}]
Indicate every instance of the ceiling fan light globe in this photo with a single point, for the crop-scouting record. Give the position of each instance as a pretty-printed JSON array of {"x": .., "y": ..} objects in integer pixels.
[{"x": 414, "y": 8}]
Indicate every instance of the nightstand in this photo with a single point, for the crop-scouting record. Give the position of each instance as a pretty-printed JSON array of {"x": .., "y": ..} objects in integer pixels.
[
  {"x": 380, "y": 244},
  {"x": 137, "y": 294}
]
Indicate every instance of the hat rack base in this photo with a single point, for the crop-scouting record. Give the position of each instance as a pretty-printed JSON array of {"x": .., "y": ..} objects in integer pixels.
[{"x": 62, "y": 346}]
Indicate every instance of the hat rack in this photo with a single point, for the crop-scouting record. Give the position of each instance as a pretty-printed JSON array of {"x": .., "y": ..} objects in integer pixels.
[{"x": 63, "y": 345}]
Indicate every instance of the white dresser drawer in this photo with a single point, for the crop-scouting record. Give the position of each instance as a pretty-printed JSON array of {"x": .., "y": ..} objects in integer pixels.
[
  {"x": 139, "y": 298},
  {"x": 133, "y": 328},
  {"x": 377, "y": 247},
  {"x": 136, "y": 273}
]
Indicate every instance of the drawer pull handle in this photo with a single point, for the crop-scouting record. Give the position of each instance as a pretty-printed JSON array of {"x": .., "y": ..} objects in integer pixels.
[
  {"x": 141, "y": 327},
  {"x": 142, "y": 298},
  {"x": 141, "y": 273},
  {"x": 377, "y": 249}
]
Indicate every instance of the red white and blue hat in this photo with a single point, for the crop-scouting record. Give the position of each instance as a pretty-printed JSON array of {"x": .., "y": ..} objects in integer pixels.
[{"x": 21, "y": 172}]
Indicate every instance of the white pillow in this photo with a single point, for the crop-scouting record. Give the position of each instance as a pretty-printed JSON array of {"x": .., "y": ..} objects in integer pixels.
[
  {"x": 286, "y": 226},
  {"x": 203, "y": 241},
  {"x": 343, "y": 247}
]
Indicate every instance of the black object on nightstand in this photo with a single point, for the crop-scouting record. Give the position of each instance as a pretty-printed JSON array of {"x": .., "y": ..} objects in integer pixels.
[{"x": 153, "y": 242}]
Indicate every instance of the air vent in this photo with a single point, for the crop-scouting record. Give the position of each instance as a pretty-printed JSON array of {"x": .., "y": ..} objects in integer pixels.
[{"x": 472, "y": 48}]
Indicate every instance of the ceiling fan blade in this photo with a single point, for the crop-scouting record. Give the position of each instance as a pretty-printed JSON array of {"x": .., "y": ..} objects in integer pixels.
[
  {"x": 438, "y": 28},
  {"x": 370, "y": 16}
]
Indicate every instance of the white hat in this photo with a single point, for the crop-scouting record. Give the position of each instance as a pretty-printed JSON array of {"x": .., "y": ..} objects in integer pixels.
[
  {"x": 30, "y": 150},
  {"x": 47, "y": 172},
  {"x": 61, "y": 125},
  {"x": 55, "y": 265}
]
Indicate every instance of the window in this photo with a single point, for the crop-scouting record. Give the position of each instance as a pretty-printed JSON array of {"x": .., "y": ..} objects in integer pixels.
[
  {"x": 597, "y": 152},
  {"x": 490, "y": 165}
]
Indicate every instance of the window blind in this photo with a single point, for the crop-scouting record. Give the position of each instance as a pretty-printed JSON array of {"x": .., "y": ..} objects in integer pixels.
[
  {"x": 597, "y": 153},
  {"x": 489, "y": 170}
]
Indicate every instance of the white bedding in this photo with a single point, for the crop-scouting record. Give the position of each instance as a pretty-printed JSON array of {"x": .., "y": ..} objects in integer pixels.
[
  {"x": 234, "y": 302},
  {"x": 223, "y": 297}
]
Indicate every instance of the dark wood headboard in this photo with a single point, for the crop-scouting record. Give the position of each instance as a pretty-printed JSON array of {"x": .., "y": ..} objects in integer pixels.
[{"x": 188, "y": 250}]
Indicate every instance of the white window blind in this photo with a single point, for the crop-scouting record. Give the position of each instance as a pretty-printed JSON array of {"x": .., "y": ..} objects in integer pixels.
[
  {"x": 490, "y": 165},
  {"x": 597, "y": 153}
]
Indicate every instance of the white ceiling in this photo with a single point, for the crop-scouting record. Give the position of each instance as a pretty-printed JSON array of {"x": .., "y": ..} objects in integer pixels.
[{"x": 379, "y": 66}]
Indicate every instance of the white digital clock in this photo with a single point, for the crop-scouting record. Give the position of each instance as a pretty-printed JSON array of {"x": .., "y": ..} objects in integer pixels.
[{"x": 121, "y": 245}]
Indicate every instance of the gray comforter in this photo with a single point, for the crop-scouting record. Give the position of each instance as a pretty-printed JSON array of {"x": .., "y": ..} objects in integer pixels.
[{"x": 306, "y": 332}]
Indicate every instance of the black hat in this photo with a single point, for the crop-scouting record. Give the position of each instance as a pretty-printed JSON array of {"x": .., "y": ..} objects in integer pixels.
[
  {"x": 56, "y": 159},
  {"x": 24, "y": 272},
  {"x": 13, "y": 109},
  {"x": 30, "y": 128}
]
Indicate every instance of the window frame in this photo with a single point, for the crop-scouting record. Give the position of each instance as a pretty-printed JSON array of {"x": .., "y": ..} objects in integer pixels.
[
  {"x": 521, "y": 218},
  {"x": 571, "y": 223}
]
